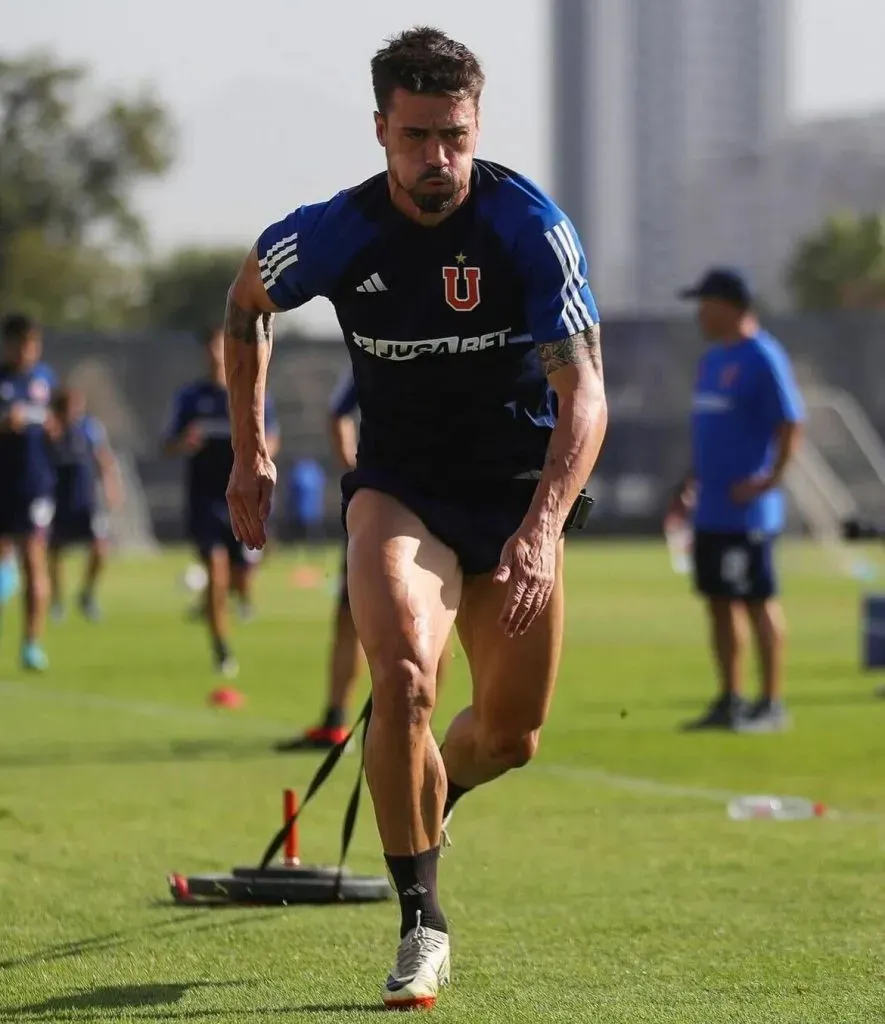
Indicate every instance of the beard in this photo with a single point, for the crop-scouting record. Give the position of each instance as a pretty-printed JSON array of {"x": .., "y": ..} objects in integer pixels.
[
  {"x": 439, "y": 200},
  {"x": 432, "y": 202}
]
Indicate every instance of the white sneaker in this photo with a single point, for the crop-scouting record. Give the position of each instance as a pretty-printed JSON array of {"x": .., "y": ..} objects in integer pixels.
[
  {"x": 229, "y": 667},
  {"x": 422, "y": 966}
]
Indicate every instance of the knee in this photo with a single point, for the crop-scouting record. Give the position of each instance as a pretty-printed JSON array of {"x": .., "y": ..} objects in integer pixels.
[
  {"x": 511, "y": 749},
  {"x": 403, "y": 691}
]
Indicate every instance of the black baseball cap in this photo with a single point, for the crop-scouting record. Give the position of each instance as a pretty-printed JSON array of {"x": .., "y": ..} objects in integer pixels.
[{"x": 721, "y": 283}]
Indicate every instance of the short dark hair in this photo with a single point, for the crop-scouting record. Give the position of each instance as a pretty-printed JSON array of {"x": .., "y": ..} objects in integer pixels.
[
  {"x": 16, "y": 326},
  {"x": 425, "y": 60}
]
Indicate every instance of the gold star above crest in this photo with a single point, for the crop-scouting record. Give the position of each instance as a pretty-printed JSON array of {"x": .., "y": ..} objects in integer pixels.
[{"x": 460, "y": 258}]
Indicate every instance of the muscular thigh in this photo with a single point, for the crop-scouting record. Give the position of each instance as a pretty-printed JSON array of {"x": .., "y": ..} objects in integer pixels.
[
  {"x": 513, "y": 677},
  {"x": 403, "y": 583}
]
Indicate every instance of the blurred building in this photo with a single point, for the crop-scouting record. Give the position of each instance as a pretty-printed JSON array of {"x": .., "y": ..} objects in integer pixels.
[
  {"x": 752, "y": 212},
  {"x": 650, "y": 96}
]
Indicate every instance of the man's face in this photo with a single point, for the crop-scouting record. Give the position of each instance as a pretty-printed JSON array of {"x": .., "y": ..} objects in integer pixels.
[
  {"x": 719, "y": 320},
  {"x": 430, "y": 142},
  {"x": 24, "y": 353}
]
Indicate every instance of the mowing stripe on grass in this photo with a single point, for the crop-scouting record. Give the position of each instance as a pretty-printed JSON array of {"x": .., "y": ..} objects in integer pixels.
[
  {"x": 144, "y": 708},
  {"x": 584, "y": 774}
]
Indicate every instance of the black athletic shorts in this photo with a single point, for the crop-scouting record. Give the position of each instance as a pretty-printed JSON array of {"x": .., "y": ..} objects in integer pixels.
[
  {"x": 209, "y": 528},
  {"x": 475, "y": 523},
  {"x": 739, "y": 566},
  {"x": 77, "y": 526}
]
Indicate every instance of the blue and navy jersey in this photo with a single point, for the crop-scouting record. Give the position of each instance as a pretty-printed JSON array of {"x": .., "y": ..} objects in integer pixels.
[
  {"x": 204, "y": 404},
  {"x": 76, "y": 463},
  {"x": 441, "y": 322},
  {"x": 343, "y": 401},
  {"x": 743, "y": 394},
  {"x": 26, "y": 464}
]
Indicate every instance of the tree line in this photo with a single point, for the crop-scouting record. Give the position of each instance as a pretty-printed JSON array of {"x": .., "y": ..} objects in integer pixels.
[
  {"x": 73, "y": 250},
  {"x": 75, "y": 253}
]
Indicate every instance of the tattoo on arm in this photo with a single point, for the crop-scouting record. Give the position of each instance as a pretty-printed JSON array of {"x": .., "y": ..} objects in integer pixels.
[
  {"x": 243, "y": 325},
  {"x": 579, "y": 348}
]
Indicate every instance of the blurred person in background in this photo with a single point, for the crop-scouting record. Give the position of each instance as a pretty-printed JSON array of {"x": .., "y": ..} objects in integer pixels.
[
  {"x": 27, "y": 470},
  {"x": 88, "y": 484},
  {"x": 199, "y": 430},
  {"x": 307, "y": 500},
  {"x": 346, "y": 656},
  {"x": 9, "y": 575},
  {"x": 746, "y": 416}
]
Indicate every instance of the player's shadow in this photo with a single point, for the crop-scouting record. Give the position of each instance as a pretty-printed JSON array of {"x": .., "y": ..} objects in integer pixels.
[
  {"x": 114, "y": 940},
  {"x": 154, "y": 1000},
  {"x": 139, "y": 753},
  {"x": 112, "y": 998}
]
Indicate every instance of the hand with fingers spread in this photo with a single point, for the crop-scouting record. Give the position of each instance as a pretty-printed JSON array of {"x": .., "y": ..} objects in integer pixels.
[
  {"x": 249, "y": 495},
  {"x": 528, "y": 565}
]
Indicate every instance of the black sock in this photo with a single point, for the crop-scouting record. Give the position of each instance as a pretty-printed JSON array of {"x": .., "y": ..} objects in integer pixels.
[
  {"x": 222, "y": 651},
  {"x": 334, "y": 718},
  {"x": 453, "y": 795},
  {"x": 414, "y": 878}
]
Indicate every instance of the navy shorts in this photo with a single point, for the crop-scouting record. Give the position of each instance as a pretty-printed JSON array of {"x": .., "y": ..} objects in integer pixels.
[
  {"x": 78, "y": 526},
  {"x": 21, "y": 517},
  {"x": 475, "y": 524},
  {"x": 739, "y": 566},
  {"x": 210, "y": 529}
]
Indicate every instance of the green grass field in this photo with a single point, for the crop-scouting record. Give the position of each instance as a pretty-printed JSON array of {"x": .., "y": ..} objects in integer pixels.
[{"x": 605, "y": 883}]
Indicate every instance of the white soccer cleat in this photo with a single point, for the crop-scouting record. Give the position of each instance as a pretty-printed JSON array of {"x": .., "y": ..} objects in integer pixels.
[
  {"x": 229, "y": 667},
  {"x": 423, "y": 966}
]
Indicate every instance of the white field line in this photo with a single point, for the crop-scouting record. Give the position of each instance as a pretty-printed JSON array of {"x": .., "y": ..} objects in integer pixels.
[{"x": 585, "y": 775}]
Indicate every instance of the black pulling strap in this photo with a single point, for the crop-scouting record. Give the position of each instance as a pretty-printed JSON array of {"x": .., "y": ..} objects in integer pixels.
[{"x": 323, "y": 772}]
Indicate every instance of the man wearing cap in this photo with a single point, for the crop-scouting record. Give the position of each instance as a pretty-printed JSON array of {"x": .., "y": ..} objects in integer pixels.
[{"x": 746, "y": 416}]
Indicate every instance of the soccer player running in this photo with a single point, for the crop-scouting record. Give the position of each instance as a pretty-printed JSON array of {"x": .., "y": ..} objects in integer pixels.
[
  {"x": 27, "y": 470},
  {"x": 746, "y": 416},
  {"x": 461, "y": 291},
  {"x": 346, "y": 654},
  {"x": 84, "y": 463},
  {"x": 200, "y": 430}
]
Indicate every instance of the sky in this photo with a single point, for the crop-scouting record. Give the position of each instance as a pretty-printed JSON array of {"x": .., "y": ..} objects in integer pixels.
[{"x": 273, "y": 101}]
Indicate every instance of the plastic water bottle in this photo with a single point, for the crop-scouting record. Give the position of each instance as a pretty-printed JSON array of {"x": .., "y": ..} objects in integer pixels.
[
  {"x": 679, "y": 535},
  {"x": 776, "y": 808}
]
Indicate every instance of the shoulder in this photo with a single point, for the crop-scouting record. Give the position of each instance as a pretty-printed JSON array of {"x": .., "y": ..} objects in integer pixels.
[
  {"x": 343, "y": 400},
  {"x": 768, "y": 352},
  {"x": 187, "y": 394},
  {"x": 43, "y": 371},
  {"x": 326, "y": 226},
  {"x": 514, "y": 204},
  {"x": 352, "y": 207},
  {"x": 94, "y": 429},
  {"x": 304, "y": 253}
]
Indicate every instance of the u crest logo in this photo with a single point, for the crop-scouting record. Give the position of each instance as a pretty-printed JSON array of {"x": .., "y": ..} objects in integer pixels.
[{"x": 462, "y": 287}]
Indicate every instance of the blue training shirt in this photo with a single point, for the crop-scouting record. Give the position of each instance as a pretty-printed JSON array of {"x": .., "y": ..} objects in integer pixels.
[
  {"x": 441, "y": 322},
  {"x": 204, "y": 404},
  {"x": 76, "y": 463},
  {"x": 743, "y": 394},
  {"x": 343, "y": 401},
  {"x": 26, "y": 463}
]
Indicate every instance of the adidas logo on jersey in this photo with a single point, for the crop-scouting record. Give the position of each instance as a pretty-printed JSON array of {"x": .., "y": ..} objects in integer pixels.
[{"x": 372, "y": 284}]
